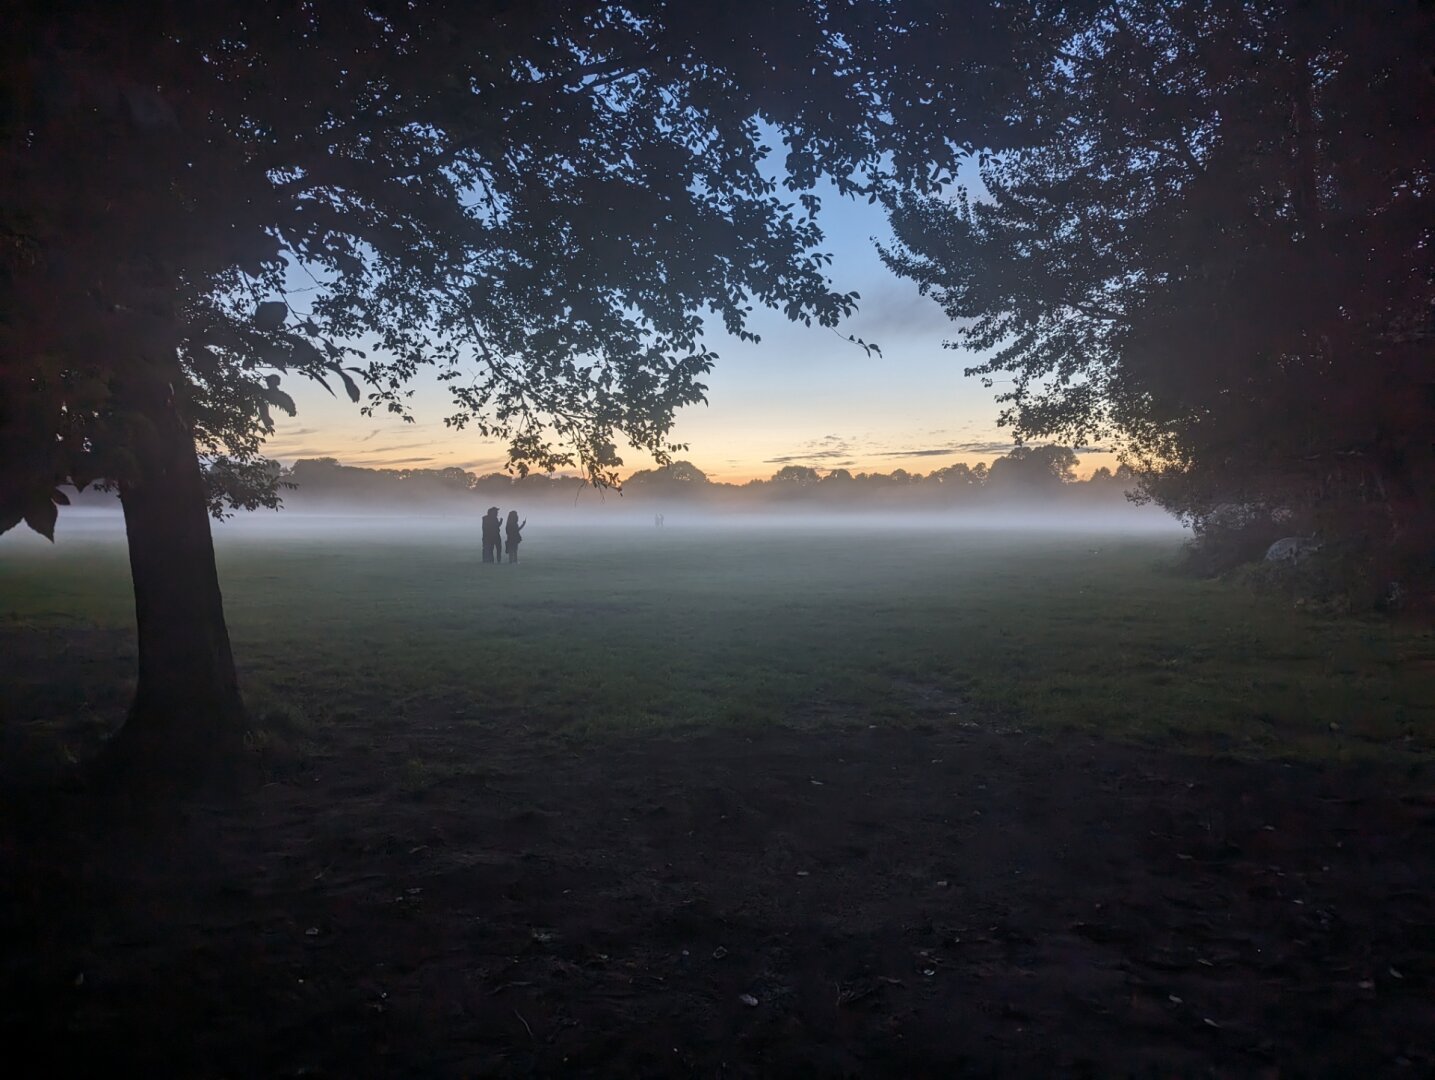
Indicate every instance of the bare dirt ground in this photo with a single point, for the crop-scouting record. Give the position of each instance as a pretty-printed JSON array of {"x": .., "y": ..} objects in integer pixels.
[{"x": 941, "y": 900}]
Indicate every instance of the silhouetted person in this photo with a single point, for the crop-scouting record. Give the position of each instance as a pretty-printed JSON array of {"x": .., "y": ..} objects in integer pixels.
[
  {"x": 513, "y": 535},
  {"x": 491, "y": 536}
]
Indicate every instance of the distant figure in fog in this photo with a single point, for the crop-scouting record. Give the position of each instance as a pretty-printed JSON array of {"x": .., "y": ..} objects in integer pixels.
[
  {"x": 491, "y": 536},
  {"x": 513, "y": 535}
]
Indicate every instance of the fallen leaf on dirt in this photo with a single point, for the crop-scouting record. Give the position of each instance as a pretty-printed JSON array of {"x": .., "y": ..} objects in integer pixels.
[
  {"x": 847, "y": 995},
  {"x": 501, "y": 987}
]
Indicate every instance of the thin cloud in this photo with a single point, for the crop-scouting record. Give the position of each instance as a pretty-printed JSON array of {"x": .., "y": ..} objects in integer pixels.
[
  {"x": 970, "y": 447},
  {"x": 487, "y": 465},
  {"x": 897, "y": 310},
  {"x": 938, "y": 451},
  {"x": 974, "y": 446},
  {"x": 387, "y": 463},
  {"x": 984, "y": 447},
  {"x": 401, "y": 446},
  {"x": 298, "y": 453},
  {"x": 826, "y": 448},
  {"x": 814, "y": 455}
]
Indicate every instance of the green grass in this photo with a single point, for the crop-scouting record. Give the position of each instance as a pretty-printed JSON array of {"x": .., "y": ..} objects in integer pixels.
[{"x": 656, "y": 631}]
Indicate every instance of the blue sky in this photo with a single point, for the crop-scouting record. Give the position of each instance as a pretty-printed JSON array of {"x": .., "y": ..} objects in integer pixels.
[{"x": 802, "y": 396}]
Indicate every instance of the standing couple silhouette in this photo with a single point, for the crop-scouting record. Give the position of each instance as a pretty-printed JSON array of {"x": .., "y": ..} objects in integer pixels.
[{"x": 492, "y": 537}]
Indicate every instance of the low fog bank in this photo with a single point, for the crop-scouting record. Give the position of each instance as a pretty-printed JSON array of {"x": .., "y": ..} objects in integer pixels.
[
  {"x": 337, "y": 522},
  {"x": 1028, "y": 491}
]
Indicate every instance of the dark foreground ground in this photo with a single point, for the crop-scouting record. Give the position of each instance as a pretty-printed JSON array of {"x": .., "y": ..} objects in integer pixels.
[
  {"x": 944, "y": 898},
  {"x": 648, "y": 805}
]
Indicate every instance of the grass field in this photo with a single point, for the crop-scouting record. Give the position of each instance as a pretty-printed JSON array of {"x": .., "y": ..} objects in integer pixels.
[
  {"x": 744, "y": 800},
  {"x": 613, "y": 630}
]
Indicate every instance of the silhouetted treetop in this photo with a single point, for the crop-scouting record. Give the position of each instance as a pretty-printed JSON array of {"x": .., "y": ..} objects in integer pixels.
[
  {"x": 677, "y": 478},
  {"x": 1033, "y": 467},
  {"x": 1025, "y": 471},
  {"x": 1216, "y": 250},
  {"x": 541, "y": 202}
]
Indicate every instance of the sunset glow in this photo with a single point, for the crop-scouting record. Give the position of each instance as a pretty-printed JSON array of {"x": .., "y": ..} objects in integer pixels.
[{"x": 803, "y": 396}]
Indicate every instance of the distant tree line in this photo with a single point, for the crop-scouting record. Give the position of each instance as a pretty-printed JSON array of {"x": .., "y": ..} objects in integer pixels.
[{"x": 1024, "y": 473}]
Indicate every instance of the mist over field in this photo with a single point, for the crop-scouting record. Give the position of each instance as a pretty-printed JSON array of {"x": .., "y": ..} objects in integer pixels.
[{"x": 617, "y": 518}]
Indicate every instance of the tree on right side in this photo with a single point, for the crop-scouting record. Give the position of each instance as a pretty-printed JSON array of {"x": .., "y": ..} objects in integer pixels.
[{"x": 1215, "y": 251}]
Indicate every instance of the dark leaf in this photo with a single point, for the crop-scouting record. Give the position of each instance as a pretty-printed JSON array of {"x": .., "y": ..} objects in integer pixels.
[
  {"x": 279, "y": 398},
  {"x": 349, "y": 384},
  {"x": 40, "y": 516},
  {"x": 305, "y": 352},
  {"x": 270, "y": 315},
  {"x": 226, "y": 338}
]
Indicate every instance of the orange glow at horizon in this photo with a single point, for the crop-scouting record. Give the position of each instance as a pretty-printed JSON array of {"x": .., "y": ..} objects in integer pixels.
[{"x": 384, "y": 443}]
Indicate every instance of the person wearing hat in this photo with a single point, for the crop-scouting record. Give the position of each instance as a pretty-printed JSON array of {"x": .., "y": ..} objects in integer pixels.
[{"x": 492, "y": 536}]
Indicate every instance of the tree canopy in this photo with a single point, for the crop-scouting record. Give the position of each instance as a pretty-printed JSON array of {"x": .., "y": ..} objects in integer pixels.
[
  {"x": 1216, "y": 250},
  {"x": 540, "y": 202},
  {"x": 1034, "y": 467},
  {"x": 543, "y": 201}
]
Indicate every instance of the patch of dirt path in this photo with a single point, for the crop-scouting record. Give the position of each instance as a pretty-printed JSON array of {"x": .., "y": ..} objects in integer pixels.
[{"x": 945, "y": 902}]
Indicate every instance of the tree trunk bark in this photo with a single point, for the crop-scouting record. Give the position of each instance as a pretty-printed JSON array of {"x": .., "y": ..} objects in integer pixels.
[{"x": 186, "y": 724}]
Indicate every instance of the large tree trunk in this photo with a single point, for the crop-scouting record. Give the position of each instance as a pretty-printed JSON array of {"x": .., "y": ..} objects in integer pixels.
[{"x": 187, "y": 720}]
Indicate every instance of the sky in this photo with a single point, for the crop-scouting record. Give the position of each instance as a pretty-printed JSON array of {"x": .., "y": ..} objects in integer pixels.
[{"x": 802, "y": 396}]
